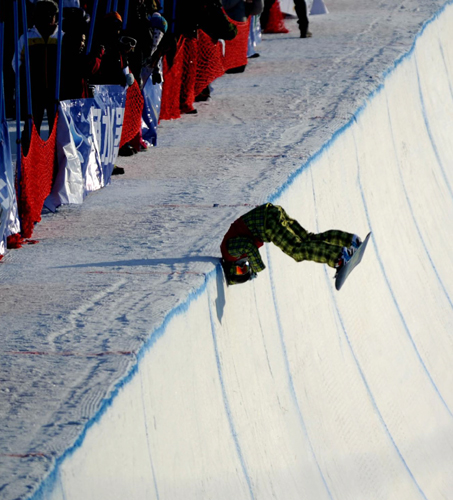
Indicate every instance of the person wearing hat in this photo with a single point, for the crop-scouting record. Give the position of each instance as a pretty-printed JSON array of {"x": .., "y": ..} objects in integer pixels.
[
  {"x": 113, "y": 50},
  {"x": 241, "y": 259},
  {"x": 42, "y": 46}
]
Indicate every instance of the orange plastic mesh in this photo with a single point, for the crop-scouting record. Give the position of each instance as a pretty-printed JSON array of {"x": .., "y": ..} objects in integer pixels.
[
  {"x": 209, "y": 63},
  {"x": 171, "y": 88},
  {"x": 197, "y": 63},
  {"x": 236, "y": 49},
  {"x": 275, "y": 23},
  {"x": 189, "y": 74},
  {"x": 37, "y": 174},
  {"x": 132, "y": 122}
]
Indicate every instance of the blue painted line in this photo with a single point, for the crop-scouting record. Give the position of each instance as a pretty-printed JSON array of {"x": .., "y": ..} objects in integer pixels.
[
  {"x": 328, "y": 144},
  {"x": 359, "y": 368},
  {"x": 392, "y": 293},
  {"x": 370, "y": 392},
  {"x": 160, "y": 331},
  {"x": 446, "y": 69},
  {"x": 430, "y": 133},
  {"x": 156, "y": 489},
  {"x": 289, "y": 375},
  {"x": 409, "y": 203},
  {"x": 52, "y": 477},
  {"x": 227, "y": 406}
]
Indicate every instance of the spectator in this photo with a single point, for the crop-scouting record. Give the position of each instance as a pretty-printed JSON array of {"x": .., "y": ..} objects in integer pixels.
[
  {"x": 114, "y": 50},
  {"x": 148, "y": 26},
  {"x": 301, "y": 12},
  {"x": 74, "y": 63},
  {"x": 42, "y": 44},
  {"x": 240, "y": 10}
]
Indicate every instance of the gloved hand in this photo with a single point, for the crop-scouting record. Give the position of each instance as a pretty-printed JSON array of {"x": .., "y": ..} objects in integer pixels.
[{"x": 130, "y": 79}]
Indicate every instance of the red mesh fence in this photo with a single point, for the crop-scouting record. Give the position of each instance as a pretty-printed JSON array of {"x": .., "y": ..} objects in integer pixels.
[
  {"x": 209, "y": 63},
  {"x": 197, "y": 63},
  {"x": 171, "y": 89},
  {"x": 132, "y": 122},
  {"x": 236, "y": 49},
  {"x": 275, "y": 23},
  {"x": 37, "y": 173},
  {"x": 189, "y": 74}
]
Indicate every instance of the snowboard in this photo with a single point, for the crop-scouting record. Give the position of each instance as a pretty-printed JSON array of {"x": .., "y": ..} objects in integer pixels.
[{"x": 347, "y": 269}]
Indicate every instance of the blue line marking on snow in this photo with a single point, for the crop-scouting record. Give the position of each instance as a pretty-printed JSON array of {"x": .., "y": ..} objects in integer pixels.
[
  {"x": 430, "y": 133},
  {"x": 359, "y": 368},
  {"x": 290, "y": 377},
  {"x": 409, "y": 203},
  {"x": 51, "y": 478},
  {"x": 392, "y": 293},
  {"x": 226, "y": 404},
  {"x": 446, "y": 69},
  {"x": 156, "y": 489},
  {"x": 369, "y": 391}
]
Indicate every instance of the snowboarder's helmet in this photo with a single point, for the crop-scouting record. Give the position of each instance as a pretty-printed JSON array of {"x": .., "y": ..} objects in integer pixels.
[{"x": 240, "y": 271}]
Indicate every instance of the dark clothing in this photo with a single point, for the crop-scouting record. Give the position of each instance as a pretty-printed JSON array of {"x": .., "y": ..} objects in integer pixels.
[
  {"x": 301, "y": 11},
  {"x": 302, "y": 17},
  {"x": 239, "y": 10},
  {"x": 43, "y": 64}
]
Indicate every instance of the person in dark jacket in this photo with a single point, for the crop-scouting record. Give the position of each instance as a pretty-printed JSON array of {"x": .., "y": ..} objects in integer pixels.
[
  {"x": 300, "y": 7},
  {"x": 42, "y": 46},
  {"x": 240, "y": 10}
]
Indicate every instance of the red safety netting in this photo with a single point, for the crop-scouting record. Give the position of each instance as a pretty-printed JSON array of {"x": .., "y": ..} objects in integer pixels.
[
  {"x": 132, "y": 122},
  {"x": 236, "y": 49},
  {"x": 171, "y": 89},
  {"x": 209, "y": 63},
  {"x": 37, "y": 173},
  {"x": 189, "y": 75},
  {"x": 197, "y": 63},
  {"x": 275, "y": 24}
]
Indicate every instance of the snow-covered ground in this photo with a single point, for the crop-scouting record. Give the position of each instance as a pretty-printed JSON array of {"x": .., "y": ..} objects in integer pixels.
[{"x": 129, "y": 370}]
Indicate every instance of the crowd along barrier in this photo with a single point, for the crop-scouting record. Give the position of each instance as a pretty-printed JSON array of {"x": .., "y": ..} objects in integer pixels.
[
  {"x": 196, "y": 64},
  {"x": 89, "y": 135},
  {"x": 79, "y": 155},
  {"x": 276, "y": 22}
]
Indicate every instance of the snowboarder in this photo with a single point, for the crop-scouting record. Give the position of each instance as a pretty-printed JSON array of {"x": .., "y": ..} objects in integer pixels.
[{"x": 241, "y": 258}]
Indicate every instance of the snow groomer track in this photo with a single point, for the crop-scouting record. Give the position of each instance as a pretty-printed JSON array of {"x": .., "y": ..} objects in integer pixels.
[{"x": 130, "y": 370}]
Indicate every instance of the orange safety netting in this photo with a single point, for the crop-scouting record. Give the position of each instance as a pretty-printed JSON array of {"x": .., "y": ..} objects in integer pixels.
[
  {"x": 171, "y": 88},
  {"x": 236, "y": 49},
  {"x": 197, "y": 63},
  {"x": 275, "y": 24},
  {"x": 189, "y": 75},
  {"x": 209, "y": 64},
  {"x": 132, "y": 122},
  {"x": 37, "y": 174}
]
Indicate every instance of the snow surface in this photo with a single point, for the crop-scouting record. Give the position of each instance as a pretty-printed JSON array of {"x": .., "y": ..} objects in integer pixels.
[{"x": 129, "y": 370}]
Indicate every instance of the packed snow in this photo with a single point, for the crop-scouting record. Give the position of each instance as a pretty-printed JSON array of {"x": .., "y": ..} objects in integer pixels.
[{"x": 120, "y": 310}]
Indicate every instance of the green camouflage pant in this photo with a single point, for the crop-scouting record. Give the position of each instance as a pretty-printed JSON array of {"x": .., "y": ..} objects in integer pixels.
[{"x": 295, "y": 241}]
